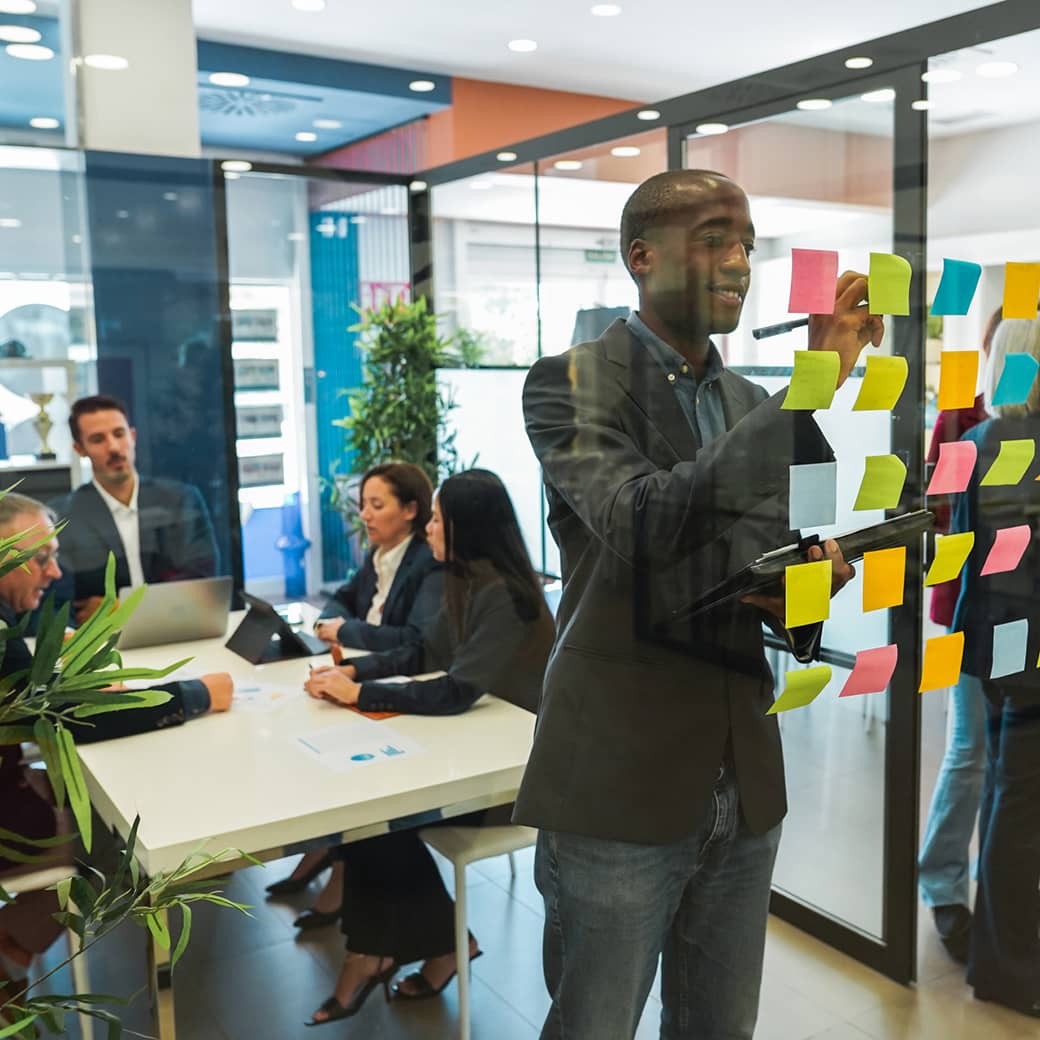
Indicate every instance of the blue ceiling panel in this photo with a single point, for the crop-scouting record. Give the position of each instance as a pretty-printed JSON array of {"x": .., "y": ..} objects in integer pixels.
[{"x": 31, "y": 88}]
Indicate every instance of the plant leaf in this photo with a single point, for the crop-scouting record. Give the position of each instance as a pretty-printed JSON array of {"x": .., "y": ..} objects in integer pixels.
[
  {"x": 47, "y": 740},
  {"x": 182, "y": 939},
  {"x": 158, "y": 927},
  {"x": 79, "y": 800}
]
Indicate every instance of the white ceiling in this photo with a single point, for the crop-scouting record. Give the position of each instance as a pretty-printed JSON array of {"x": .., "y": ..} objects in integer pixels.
[{"x": 653, "y": 50}]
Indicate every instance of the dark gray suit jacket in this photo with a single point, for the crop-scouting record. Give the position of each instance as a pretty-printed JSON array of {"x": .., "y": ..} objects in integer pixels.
[{"x": 640, "y": 708}]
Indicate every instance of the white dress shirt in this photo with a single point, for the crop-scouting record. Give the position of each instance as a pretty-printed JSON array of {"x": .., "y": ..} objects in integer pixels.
[
  {"x": 386, "y": 563},
  {"x": 127, "y": 523}
]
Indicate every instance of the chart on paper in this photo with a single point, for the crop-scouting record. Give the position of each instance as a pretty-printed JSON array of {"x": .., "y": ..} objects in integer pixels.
[{"x": 362, "y": 743}]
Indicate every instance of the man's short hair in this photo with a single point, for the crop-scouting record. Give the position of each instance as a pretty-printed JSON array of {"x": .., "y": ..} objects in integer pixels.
[
  {"x": 13, "y": 505},
  {"x": 90, "y": 405}
]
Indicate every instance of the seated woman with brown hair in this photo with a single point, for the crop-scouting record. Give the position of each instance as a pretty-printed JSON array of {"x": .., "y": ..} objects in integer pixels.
[{"x": 492, "y": 634}]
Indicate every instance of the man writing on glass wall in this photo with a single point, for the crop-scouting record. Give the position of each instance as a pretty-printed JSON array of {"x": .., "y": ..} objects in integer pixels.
[{"x": 656, "y": 778}]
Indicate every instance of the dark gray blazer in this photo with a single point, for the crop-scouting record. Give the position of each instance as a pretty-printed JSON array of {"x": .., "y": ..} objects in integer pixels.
[{"x": 640, "y": 708}]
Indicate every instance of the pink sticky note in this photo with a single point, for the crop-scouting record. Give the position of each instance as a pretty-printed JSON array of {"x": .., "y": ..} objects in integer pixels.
[
  {"x": 814, "y": 280},
  {"x": 953, "y": 470},
  {"x": 1009, "y": 547},
  {"x": 872, "y": 672}
]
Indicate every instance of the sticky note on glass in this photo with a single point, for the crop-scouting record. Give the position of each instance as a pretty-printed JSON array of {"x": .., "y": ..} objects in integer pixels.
[
  {"x": 814, "y": 281},
  {"x": 942, "y": 662},
  {"x": 882, "y": 384},
  {"x": 883, "y": 480},
  {"x": 958, "y": 377},
  {"x": 1011, "y": 463},
  {"x": 951, "y": 554},
  {"x": 807, "y": 593},
  {"x": 884, "y": 573},
  {"x": 813, "y": 498},
  {"x": 888, "y": 284},
  {"x": 1016, "y": 380},
  {"x": 1009, "y": 648},
  {"x": 814, "y": 380},
  {"x": 1009, "y": 546},
  {"x": 801, "y": 688},
  {"x": 1021, "y": 290},
  {"x": 960, "y": 278},
  {"x": 872, "y": 671},
  {"x": 954, "y": 468}
]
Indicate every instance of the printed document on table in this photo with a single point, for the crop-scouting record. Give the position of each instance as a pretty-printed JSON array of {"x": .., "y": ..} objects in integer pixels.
[{"x": 362, "y": 743}]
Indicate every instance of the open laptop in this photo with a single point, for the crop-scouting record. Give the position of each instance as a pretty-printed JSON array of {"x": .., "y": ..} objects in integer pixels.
[
  {"x": 178, "y": 612},
  {"x": 265, "y": 635}
]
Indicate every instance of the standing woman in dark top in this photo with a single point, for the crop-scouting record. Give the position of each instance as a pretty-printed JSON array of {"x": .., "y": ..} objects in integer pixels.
[{"x": 493, "y": 634}]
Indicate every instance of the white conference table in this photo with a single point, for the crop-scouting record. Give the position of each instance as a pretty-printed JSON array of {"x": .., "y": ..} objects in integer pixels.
[{"x": 242, "y": 780}]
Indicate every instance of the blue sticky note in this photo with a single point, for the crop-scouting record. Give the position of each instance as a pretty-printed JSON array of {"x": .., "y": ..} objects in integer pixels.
[
  {"x": 1009, "y": 648},
  {"x": 814, "y": 495},
  {"x": 959, "y": 280},
  {"x": 1016, "y": 380}
]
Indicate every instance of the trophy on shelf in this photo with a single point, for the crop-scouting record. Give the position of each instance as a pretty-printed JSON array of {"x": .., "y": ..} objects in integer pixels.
[{"x": 43, "y": 424}]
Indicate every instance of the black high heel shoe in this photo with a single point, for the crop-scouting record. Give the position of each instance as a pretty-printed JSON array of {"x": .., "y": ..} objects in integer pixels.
[
  {"x": 422, "y": 988},
  {"x": 290, "y": 885},
  {"x": 337, "y": 1011}
]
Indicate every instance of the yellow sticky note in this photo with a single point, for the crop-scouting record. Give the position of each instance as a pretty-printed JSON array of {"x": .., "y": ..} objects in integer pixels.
[
  {"x": 884, "y": 573},
  {"x": 883, "y": 480},
  {"x": 951, "y": 554},
  {"x": 888, "y": 284},
  {"x": 942, "y": 662},
  {"x": 958, "y": 377},
  {"x": 1021, "y": 290},
  {"x": 807, "y": 593},
  {"x": 814, "y": 380},
  {"x": 1011, "y": 463},
  {"x": 801, "y": 688},
  {"x": 883, "y": 383}
]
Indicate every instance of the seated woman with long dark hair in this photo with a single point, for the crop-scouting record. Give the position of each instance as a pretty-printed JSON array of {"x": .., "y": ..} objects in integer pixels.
[{"x": 493, "y": 634}]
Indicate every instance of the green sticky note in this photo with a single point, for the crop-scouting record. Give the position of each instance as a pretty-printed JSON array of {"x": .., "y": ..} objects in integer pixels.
[
  {"x": 1011, "y": 463},
  {"x": 801, "y": 688},
  {"x": 888, "y": 284},
  {"x": 807, "y": 593},
  {"x": 883, "y": 480},
  {"x": 814, "y": 380},
  {"x": 882, "y": 385},
  {"x": 951, "y": 554}
]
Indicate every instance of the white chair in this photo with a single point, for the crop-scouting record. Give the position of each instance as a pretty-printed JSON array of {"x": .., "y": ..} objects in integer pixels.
[
  {"x": 36, "y": 881},
  {"x": 463, "y": 846}
]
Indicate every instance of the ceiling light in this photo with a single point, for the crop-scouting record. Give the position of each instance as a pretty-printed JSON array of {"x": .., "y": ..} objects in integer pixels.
[
  {"x": 10, "y": 222},
  {"x": 170, "y": 196},
  {"x": 605, "y": 10},
  {"x": 29, "y": 51},
  {"x": 19, "y": 34},
  {"x": 996, "y": 69},
  {"x": 858, "y": 63},
  {"x": 417, "y": 186},
  {"x": 879, "y": 96},
  {"x": 17, "y": 6},
  {"x": 327, "y": 124},
  {"x": 236, "y": 166},
  {"x": 567, "y": 164},
  {"x": 523, "y": 46},
  {"x": 310, "y": 6},
  {"x": 306, "y": 135},
  {"x": 123, "y": 214},
  {"x": 712, "y": 129},
  {"x": 625, "y": 151},
  {"x": 506, "y": 157},
  {"x": 920, "y": 106},
  {"x": 814, "y": 104},
  {"x": 228, "y": 79},
  {"x": 44, "y": 123},
  {"x": 422, "y": 86},
  {"x": 109, "y": 62},
  {"x": 941, "y": 76},
  {"x": 648, "y": 115}
]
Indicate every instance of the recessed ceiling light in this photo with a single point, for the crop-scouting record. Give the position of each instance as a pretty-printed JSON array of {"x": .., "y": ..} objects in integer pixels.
[
  {"x": 605, "y": 10},
  {"x": 567, "y": 164},
  {"x": 523, "y": 46},
  {"x": 19, "y": 34},
  {"x": 858, "y": 63},
  {"x": 44, "y": 123},
  {"x": 879, "y": 96},
  {"x": 814, "y": 104},
  {"x": 236, "y": 166},
  {"x": 422, "y": 86},
  {"x": 123, "y": 214},
  {"x": 506, "y": 157},
  {"x": 310, "y": 6},
  {"x": 228, "y": 79},
  {"x": 625, "y": 151},
  {"x": 996, "y": 69},
  {"x": 941, "y": 76},
  {"x": 10, "y": 222},
  {"x": 170, "y": 196},
  {"x": 712, "y": 129},
  {"x": 327, "y": 124},
  {"x": 417, "y": 186},
  {"x": 648, "y": 115},
  {"x": 921, "y": 106},
  {"x": 17, "y": 6},
  {"x": 108, "y": 62},
  {"x": 29, "y": 51},
  {"x": 306, "y": 135}
]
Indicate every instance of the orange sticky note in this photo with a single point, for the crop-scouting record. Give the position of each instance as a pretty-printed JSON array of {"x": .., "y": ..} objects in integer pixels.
[
  {"x": 1021, "y": 290},
  {"x": 942, "y": 662},
  {"x": 884, "y": 573},
  {"x": 958, "y": 377}
]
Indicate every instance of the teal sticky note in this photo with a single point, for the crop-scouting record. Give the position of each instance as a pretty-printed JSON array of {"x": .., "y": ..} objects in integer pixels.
[
  {"x": 813, "y": 498},
  {"x": 1016, "y": 380},
  {"x": 960, "y": 279},
  {"x": 1009, "y": 648}
]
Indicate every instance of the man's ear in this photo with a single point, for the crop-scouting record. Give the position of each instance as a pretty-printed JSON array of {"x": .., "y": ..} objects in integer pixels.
[
  {"x": 78, "y": 449},
  {"x": 640, "y": 257}
]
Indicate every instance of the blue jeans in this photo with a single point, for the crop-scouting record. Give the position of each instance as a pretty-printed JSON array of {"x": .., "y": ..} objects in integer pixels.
[
  {"x": 944, "y": 866},
  {"x": 612, "y": 908}
]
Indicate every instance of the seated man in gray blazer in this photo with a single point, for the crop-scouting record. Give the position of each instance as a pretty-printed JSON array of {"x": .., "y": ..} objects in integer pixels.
[
  {"x": 159, "y": 530},
  {"x": 656, "y": 778}
]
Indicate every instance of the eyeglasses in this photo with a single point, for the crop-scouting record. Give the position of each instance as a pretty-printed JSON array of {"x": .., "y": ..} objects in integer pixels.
[{"x": 45, "y": 558}]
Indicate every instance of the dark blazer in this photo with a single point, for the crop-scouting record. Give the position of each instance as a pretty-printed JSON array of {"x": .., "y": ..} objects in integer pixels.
[
  {"x": 413, "y": 601},
  {"x": 497, "y": 652},
  {"x": 177, "y": 539},
  {"x": 641, "y": 707}
]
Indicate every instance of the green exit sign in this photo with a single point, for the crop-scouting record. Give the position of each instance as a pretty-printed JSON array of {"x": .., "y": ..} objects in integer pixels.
[{"x": 600, "y": 256}]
